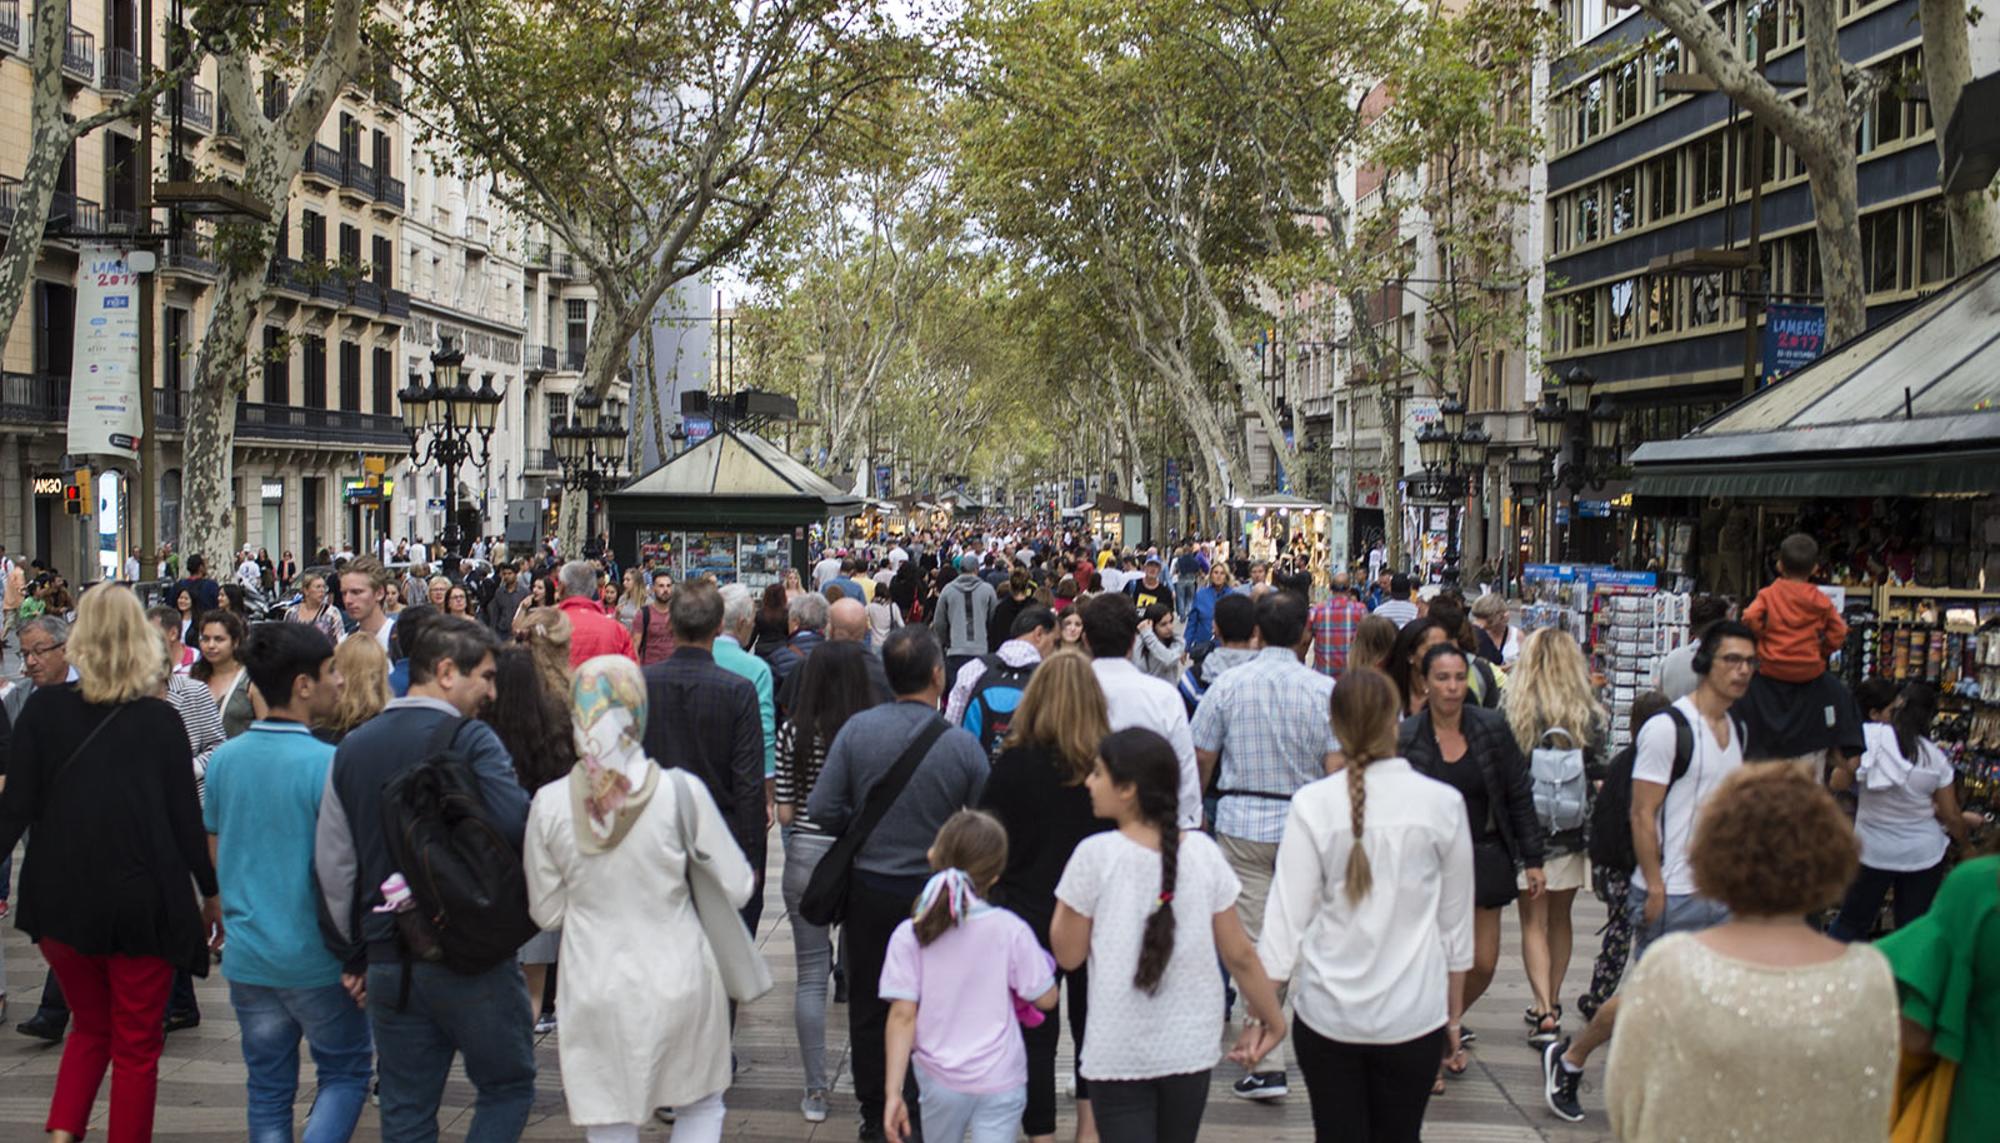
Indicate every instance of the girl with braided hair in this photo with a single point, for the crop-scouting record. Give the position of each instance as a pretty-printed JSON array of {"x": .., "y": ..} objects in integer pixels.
[
  {"x": 1370, "y": 919},
  {"x": 1150, "y": 907}
]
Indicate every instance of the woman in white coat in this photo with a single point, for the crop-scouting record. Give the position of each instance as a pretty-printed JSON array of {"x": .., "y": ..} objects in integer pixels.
[{"x": 644, "y": 1017}]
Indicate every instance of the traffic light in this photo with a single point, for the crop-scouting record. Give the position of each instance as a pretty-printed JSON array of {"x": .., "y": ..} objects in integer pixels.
[
  {"x": 72, "y": 500},
  {"x": 83, "y": 485}
]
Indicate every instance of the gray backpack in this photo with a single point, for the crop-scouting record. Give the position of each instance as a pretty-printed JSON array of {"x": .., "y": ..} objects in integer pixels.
[{"x": 1562, "y": 792}]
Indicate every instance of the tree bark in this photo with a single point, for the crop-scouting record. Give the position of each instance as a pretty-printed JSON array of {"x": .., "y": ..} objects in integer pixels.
[{"x": 1975, "y": 224}]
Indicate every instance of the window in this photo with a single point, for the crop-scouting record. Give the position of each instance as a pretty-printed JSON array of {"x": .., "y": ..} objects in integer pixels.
[
  {"x": 1582, "y": 320},
  {"x": 350, "y": 245},
  {"x": 578, "y": 311},
  {"x": 383, "y": 163},
  {"x": 1666, "y": 62},
  {"x": 1622, "y": 322},
  {"x": 350, "y": 377},
  {"x": 558, "y": 408},
  {"x": 1560, "y": 210},
  {"x": 121, "y": 181},
  {"x": 277, "y": 367},
  {"x": 1706, "y": 177},
  {"x": 312, "y": 236},
  {"x": 1934, "y": 250},
  {"x": 1589, "y": 219},
  {"x": 382, "y": 268},
  {"x": 1705, "y": 299},
  {"x": 173, "y": 370},
  {"x": 315, "y": 364},
  {"x": 1663, "y": 187},
  {"x": 1623, "y": 200},
  {"x": 1590, "y": 111},
  {"x": 385, "y": 382},
  {"x": 1662, "y": 304},
  {"x": 1625, "y": 91}
]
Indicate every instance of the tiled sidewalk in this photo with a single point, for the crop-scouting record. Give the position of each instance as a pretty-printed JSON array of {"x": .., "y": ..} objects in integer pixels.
[{"x": 201, "y": 1085}]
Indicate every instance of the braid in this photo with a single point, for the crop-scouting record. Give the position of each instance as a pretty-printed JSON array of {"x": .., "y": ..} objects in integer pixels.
[
  {"x": 1157, "y": 947},
  {"x": 1360, "y": 878}
]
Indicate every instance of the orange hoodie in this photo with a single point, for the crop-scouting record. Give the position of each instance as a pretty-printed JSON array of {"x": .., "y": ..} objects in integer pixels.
[{"x": 1797, "y": 628}]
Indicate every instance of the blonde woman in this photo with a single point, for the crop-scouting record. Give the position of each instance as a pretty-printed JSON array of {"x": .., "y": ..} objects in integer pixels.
[
  {"x": 103, "y": 773},
  {"x": 364, "y": 691},
  {"x": 440, "y": 590},
  {"x": 633, "y": 597},
  {"x": 546, "y": 632},
  {"x": 1371, "y": 919},
  {"x": 1549, "y": 702}
]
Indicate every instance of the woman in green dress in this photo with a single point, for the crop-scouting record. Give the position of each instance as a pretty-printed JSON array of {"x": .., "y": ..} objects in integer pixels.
[{"x": 1947, "y": 967}]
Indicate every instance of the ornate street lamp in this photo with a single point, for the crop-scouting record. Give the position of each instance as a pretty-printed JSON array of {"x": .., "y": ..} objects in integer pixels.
[
  {"x": 590, "y": 449},
  {"x": 443, "y": 419},
  {"x": 1576, "y": 386}
]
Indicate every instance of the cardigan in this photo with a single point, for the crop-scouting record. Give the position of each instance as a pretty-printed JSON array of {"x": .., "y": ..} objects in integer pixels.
[
  {"x": 1490, "y": 743},
  {"x": 117, "y": 846}
]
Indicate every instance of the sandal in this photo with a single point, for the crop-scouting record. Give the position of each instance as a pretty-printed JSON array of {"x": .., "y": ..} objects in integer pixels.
[
  {"x": 1457, "y": 1063},
  {"x": 1437, "y": 1085},
  {"x": 1547, "y": 1030}
]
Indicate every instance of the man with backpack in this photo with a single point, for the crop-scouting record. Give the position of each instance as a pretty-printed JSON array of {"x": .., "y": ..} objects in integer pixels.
[
  {"x": 1680, "y": 756},
  {"x": 987, "y": 690},
  {"x": 963, "y": 607},
  {"x": 461, "y": 992}
]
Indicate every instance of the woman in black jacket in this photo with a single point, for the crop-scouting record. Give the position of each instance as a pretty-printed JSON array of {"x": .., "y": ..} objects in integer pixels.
[
  {"x": 1473, "y": 751},
  {"x": 102, "y": 772},
  {"x": 1036, "y": 790}
]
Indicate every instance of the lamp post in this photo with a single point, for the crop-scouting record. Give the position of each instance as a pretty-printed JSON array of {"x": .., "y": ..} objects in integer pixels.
[
  {"x": 590, "y": 450},
  {"x": 1453, "y": 454},
  {"x": 442, "y": 420},
  {"x": 1581, "y": 435}
]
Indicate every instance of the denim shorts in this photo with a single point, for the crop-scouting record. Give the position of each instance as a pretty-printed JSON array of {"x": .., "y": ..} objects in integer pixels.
[{"x": 1685, "y": 913}]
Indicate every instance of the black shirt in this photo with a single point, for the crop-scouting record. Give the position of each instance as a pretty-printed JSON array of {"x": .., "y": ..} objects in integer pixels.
[{"x": 1045, "y": 821}]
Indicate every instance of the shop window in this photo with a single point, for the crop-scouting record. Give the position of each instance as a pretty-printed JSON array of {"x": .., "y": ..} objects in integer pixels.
[
  {"x": 1623, "y": 200},
  {"x": 1663, "y": 187}
]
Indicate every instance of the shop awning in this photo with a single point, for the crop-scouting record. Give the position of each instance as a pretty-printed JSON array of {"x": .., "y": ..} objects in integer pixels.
[
  {"x": 1275, "y": 501},
  {"x": 1912, "y": 408},
  {"x": 736, "y": 463}
]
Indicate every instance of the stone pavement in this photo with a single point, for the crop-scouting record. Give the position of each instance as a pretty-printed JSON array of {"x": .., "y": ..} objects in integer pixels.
[{"x": 201, "y": 1073}]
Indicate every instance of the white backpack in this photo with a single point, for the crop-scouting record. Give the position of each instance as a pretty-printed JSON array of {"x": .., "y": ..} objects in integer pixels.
[{"x": 1562, "y": 792}]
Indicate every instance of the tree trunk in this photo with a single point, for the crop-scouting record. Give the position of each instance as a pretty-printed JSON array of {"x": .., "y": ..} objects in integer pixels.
[
  {"x": 1975, "y": 224},
  {"x": 49, "y": 143},
  {"x": 1837, "y": 213}
]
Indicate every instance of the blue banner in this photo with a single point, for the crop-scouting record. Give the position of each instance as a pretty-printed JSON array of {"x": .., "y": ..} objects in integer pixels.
[
  {"x": 1173, "y": 482},
  {"x": 884, "y": 486},
  {"x": 1076, "y": 492},
  {"x": 1793, "y": 338}
]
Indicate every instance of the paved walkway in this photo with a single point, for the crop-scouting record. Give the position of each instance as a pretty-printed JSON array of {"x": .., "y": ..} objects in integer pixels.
[{"x": 201, "y": 1088}]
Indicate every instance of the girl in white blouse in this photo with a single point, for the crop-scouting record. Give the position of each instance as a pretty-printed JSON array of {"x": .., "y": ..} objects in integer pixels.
[
  {"x": 1906, "y": 812},
  {"x": 1377, "y": 966}
]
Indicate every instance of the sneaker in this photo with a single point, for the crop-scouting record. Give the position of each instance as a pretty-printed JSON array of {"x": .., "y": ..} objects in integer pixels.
[
  {"x": 664, "y": 1114},
  {"x": 544, "y": 1024},
  {"x": 813, "y": 1106},
  {"x": 1261, "y": 1085},
  {"x": 1559, "y": 1084},
  {"x": 1467, "y": 1037},
  {"x": 180, "y": 1021}
]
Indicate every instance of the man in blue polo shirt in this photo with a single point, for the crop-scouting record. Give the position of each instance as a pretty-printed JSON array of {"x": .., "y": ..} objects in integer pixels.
[{"x": 264, "y": 789}]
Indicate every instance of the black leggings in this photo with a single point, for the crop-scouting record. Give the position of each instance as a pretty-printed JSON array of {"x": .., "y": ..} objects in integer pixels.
[
  {"x": 1367, "y": 1093},
  {"x": 1165, "y": 1109},
  {"x": 1914, "y": 893},
  {"x": 1040, "y": 1116}
]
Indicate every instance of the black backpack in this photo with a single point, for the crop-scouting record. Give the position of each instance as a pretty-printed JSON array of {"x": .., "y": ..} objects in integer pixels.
[
  {"x": 471, "y": 892},
  {"x": 989, "y": 709},
  {"x": 1611, "y": 814}
]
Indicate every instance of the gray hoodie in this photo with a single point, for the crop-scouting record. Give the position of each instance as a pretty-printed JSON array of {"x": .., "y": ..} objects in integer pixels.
[
  {"x": 962, "y": 610},
  {"x": 1223, "y": 658}
]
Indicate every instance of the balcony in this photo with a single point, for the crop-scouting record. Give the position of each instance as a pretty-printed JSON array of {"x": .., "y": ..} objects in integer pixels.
[
  {"x": 120, "y": 220},
  {"x": 539, "y": 359},
  {"x": 388, "y": 93},
  {"x": 333, "y": 287},
  {"x": 562, "y": 266},
  {"x": 79, "y": 62},
  {"x": 395, "y": 303},
  {"x": 195, "y": 105},
  {"x": 190, "y": 254},
  {"x": 169, "y": 410},
  {"x": 357, "y": 180},
  {"x": 572, "y": 361},
  {"x": 535, "y": 256},
  {"x": 367, "y": 296},
  {"x": 389, "y": 192},
  {"x": 120, "y": 71},
  {"x": 10, "y": 25},
  {"x": 288, "y": 274},
  {"x": 538, "y": 460},
  {"x": 322, "y": 165},
  {"x": 67, "y": 212},
  {"x": 478, "y": 235},
  {"x": 33, "y": 399},
  {"x": 10, "y": 195},
  {"x": 290, "y": 424}
]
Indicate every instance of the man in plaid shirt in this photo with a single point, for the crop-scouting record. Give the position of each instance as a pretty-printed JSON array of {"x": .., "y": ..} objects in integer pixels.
[
  {"x": 1333, "y": 624},
  {"x": 1263, "y": 731}
]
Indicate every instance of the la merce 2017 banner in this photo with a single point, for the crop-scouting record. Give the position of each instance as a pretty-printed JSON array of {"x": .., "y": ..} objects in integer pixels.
[
  {"x": 1794, "y": 336},
  {"x": 104, "y": 368}
]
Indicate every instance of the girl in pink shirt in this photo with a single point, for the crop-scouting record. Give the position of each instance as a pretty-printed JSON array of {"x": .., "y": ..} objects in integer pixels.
[{"x": 953, "y": 974}]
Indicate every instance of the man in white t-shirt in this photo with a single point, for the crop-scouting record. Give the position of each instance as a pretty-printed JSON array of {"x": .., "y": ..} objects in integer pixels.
[
  {"x": 825, "y": 569},
  {"x": 1663, "y": 897}
]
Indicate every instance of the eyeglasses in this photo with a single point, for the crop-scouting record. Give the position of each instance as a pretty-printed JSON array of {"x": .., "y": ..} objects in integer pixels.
[
  {"x": 38, "y": 652},
  {"x": 1738, "y": 662}
]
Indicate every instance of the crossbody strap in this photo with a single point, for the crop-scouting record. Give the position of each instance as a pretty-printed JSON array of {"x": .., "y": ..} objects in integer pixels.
[
  {"x": 894, "y": 782},
  {"x": 87, "y": 740}
]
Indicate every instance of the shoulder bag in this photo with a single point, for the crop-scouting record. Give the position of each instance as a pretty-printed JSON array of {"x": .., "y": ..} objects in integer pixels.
[
  {"x": 825, "y": 900},
  {"x": 745, "y": 976}
]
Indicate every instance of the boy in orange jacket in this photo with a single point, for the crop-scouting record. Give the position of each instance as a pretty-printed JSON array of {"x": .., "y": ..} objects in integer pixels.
[{"x": 1795, "y": 710}]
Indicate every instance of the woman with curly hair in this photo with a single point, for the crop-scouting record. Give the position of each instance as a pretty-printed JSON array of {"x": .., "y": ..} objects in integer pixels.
[
  {"x": 1551, "y": 704},
  {"x": 1760, "y": 1027},
  {"x": 546, "y": 633}
]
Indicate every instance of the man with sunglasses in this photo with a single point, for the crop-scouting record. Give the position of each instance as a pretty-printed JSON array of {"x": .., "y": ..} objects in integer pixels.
[{"x": 1667, "y": 797}]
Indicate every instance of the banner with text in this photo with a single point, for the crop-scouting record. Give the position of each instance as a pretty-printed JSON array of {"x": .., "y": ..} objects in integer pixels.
[
  {"x": 104, "y": 364},
  {"x": 1793, "y": 338}
]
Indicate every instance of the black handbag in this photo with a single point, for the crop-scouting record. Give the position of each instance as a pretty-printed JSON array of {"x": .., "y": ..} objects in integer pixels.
[
  {"x": 1493, "y": 882},
  {"x": 825, "y": 900}
]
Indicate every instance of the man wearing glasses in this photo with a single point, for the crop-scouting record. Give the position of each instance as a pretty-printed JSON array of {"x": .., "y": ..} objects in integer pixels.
[
  {"x": 46, "y": 664},
  {"x": 1673, "y": 773}
]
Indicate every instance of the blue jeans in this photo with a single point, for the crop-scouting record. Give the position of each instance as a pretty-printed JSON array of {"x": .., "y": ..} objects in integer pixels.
[
  {"x": 962, "y": 1117},
  {"x": 1685, "y": 913},
  {"x": 484, "y": 1019},
  {"x": 335, "y": 1029}
]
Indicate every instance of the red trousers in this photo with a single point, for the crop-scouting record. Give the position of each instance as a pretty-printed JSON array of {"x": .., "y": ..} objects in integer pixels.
[{"x": 118, "y": 1007}]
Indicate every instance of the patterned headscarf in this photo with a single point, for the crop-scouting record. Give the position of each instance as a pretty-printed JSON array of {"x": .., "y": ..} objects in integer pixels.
[{"x": 612, "y": 778}]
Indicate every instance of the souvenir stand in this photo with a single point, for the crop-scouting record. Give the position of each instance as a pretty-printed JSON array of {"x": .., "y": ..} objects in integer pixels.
[
  {"x": 734, "y": 506},
  {"x": 1622, "y": 619}
]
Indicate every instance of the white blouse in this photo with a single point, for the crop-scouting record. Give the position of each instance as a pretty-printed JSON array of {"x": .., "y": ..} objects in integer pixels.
[
  {"x": 1895, "y": 815},
  {"x": 1374, "y": 971}
]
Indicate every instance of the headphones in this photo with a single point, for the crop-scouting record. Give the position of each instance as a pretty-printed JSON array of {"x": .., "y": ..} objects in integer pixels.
[{"x": 1704, "y": 653}]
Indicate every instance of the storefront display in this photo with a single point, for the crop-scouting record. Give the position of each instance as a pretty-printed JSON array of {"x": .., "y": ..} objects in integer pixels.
[{"x": 755, "y": 560}]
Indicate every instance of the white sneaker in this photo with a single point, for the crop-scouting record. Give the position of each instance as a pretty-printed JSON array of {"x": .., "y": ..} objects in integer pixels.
[{"x": 813, "y": 1106}]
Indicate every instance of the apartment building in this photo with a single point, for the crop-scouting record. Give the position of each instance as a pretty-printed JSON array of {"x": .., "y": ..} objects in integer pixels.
[{"x": 326, "y": 341}]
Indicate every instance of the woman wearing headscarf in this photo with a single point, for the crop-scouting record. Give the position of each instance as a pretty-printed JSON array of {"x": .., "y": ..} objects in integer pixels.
[{"x": 607, "y": 864}]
